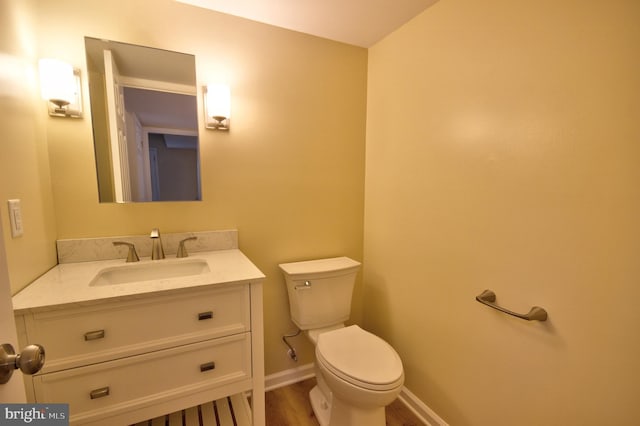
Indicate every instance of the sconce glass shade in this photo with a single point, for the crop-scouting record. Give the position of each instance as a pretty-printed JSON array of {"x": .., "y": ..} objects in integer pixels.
[
  {"x": 56, "y": 81},
  {"x": 60, "y": 86},
  {"x": 217, "y": 106}
]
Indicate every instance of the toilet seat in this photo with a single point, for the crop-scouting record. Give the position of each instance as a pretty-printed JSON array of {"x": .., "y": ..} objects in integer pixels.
[{"x": 360, "y": 358}]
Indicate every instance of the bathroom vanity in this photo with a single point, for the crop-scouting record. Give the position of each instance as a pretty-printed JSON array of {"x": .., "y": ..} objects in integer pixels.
[{"x": 127, "y": 342}]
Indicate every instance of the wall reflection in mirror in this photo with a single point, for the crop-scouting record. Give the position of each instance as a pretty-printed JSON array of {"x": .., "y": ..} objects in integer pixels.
[{"x": 145, "y": 126}]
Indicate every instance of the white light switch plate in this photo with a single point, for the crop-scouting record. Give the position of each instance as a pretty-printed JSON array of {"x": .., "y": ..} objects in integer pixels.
[{"x": 15, "y": 217}]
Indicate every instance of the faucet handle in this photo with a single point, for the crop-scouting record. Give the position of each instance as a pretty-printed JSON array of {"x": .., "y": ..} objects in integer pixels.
[
  {"x": 182, "y": 250},
  {"x": 132, "y": 256}
]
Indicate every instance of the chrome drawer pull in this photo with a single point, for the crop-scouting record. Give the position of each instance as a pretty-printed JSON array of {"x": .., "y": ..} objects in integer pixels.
[
  {"x": 207, "y": 366},
  {"x": 205, "y": 315},
  {"x": 99, "y": 393},
  {"x": 94, "y": 335}
]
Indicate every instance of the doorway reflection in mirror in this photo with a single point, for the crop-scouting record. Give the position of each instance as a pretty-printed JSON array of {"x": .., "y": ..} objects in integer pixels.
[{"x": 144, "y": 115}]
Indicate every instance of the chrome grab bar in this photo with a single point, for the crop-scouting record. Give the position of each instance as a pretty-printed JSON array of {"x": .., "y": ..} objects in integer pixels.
[{"x": 536, "y": 313}]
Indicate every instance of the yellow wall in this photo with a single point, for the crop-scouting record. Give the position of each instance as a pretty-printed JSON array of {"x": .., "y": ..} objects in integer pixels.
[
  {"x": 503, "y": 148},
  {"x": 24, "y": 168},
  {"x": 290, "y": 173}
]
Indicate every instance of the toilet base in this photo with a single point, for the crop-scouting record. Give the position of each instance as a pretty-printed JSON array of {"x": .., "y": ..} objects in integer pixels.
[
  {"x": 338, "y": 413},
  {"x": 321, "y": 407},
  {"x": 343, "y": 414}
]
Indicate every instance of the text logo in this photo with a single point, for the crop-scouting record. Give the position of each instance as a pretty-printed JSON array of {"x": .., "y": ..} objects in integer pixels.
[{"x": 34, "y": 414}]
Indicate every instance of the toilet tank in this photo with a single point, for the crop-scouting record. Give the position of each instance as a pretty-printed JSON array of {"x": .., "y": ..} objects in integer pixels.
[{"x": 320, "y": 291}]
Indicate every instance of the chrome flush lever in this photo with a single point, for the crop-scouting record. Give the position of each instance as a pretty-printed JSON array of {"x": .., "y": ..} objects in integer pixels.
[{"x": 305, "y": 286}]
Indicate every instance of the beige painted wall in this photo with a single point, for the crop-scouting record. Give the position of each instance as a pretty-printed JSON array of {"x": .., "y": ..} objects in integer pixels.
[
  {"x": 290, "y": 173},
  {"x": 24, "y": 168},
  {"x": 503, "y": 152}
]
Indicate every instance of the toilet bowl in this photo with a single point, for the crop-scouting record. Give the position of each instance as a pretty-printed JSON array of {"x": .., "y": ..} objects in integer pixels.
[{"x": 363, "y": 373}]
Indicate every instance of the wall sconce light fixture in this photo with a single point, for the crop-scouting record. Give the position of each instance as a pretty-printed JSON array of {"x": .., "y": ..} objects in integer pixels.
[
  {"x": 60, "y": 87},
  {"x": 217, "y": 106}
]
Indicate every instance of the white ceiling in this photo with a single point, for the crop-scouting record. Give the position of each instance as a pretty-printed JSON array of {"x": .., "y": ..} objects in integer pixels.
[{"x": 358, "y": 22}]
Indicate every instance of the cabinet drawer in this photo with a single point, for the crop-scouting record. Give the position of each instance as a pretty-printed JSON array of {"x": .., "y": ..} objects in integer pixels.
[
  {"x": 127, "y": 384},
  {"x": 81, "y": 336}
]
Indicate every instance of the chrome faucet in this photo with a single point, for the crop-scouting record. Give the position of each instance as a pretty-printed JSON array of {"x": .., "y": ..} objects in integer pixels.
[{"x": 157, "y": 252}]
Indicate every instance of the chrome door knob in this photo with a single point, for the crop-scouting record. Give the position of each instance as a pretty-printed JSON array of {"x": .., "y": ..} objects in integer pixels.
[{"x": 29, "y": 361}]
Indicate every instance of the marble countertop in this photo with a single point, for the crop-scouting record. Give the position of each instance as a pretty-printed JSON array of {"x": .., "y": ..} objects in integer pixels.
[{"x": 68, "y": 283}]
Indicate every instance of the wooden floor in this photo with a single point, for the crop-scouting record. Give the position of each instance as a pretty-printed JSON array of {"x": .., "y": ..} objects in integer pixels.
[
  {"x": 286, "y": 406},
  {"x": 290, "y": 406}
]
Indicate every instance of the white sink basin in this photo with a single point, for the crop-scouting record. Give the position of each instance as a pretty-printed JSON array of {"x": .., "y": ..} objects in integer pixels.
[{"x": 150, "y": 271}]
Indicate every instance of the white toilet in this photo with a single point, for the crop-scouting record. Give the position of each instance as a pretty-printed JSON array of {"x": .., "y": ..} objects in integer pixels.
[{"x": 358, "y": 373}]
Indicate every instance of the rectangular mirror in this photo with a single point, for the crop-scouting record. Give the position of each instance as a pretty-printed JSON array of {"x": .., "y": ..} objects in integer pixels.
[{"x": 145, "y": 125}]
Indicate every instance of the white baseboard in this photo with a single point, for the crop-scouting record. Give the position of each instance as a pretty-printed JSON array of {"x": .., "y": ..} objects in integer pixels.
[
  {"x": 420, "y": 409},
  {"x": 304, "y": 372},
  {"x": 287, "y": 377}
]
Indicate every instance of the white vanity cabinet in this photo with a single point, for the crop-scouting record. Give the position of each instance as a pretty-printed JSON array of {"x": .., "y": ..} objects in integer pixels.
[{"x": 125, "y": 359}]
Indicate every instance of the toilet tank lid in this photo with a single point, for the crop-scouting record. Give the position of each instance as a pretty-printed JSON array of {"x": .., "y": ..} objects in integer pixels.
[{"x": 319, "y": 266}]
